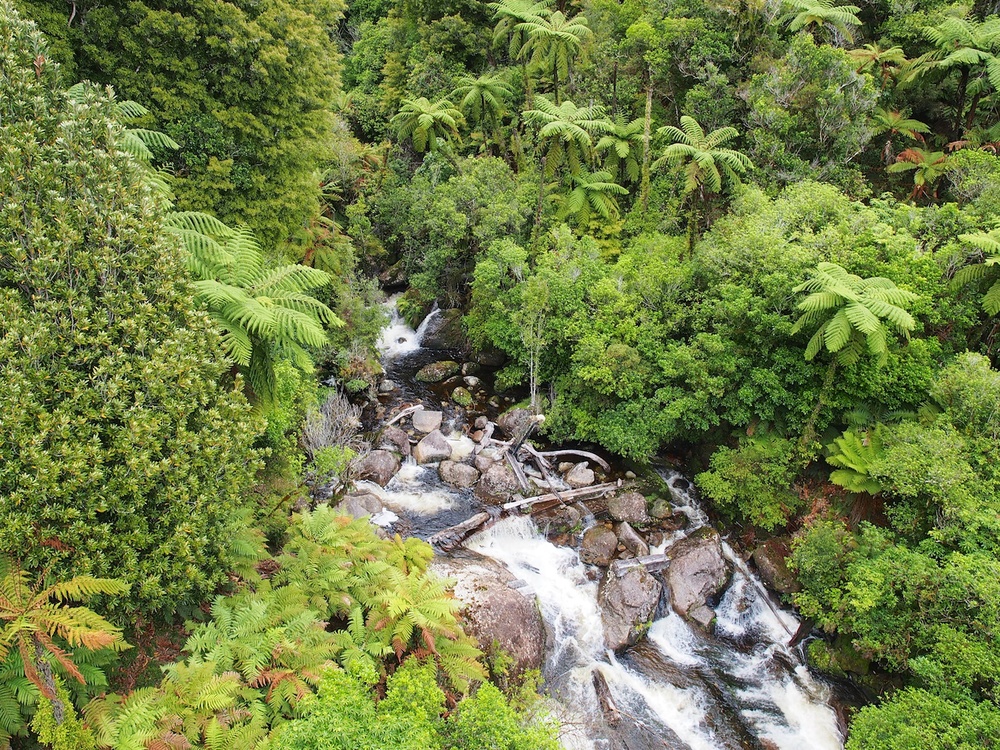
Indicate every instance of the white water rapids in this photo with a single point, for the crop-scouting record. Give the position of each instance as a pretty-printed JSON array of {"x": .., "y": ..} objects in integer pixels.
[{"x": 740, "y": 688}]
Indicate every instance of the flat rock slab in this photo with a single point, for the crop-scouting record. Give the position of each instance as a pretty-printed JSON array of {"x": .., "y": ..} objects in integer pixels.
[
  {"x": 598, "y": 546},
  {"x": 427, "y": 421},
  {"x": 698, "y": 571},
  {"x": 359, "y": 506},
  {"x": 628, "y": 600},
  {"x": 378, "y": 466},
  {"x": 581, "y": 475},
  {"x": 495, "y": 610}
]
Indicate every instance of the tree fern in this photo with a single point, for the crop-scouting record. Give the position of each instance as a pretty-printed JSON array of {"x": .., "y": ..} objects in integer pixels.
[
  {"x": 984, "y": 268},
  {"x": 853, "y": 453}
]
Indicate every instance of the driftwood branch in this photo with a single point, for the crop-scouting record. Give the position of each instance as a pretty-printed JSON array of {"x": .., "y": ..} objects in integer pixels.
[
  {"x": 452, "y": 537},
  {"x": 405, "y": 413},
  {"x": 584, "y": 454},
  {"x": 608, "y": 707},
  {"x": 652, "y": 563},
  {"x": 518, "y": 471},
  {"x": 583, "y": 493}
]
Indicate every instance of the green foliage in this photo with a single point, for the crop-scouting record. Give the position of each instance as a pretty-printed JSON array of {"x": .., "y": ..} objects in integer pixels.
[
  {"x": 707, "y": 165},
  {"x": 854, "y": 453},
  {"x": 754, "y": 480},
  {"x": 122, "y": 454},
  {"x": 425, "y": 123},
  {"x": 984, "y": 269}
]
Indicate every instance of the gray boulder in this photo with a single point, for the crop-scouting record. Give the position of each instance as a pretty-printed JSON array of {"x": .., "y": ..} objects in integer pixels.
[
  {"x": 629, "y": 507},
  {"x": 359, "y": 506},
  {"x": 494, "y": 610},
  {"x": 514, "y": 422},
  {"x": 598, "y": 546},
  {"x": 628, "y": 600},
  {"x": 379, "y": 466},
  {"x": 394, "y": 439},
  {"x": 697, "y": 572},
  {"x": 490, "y": 358},
  {"x": 581, "y": 475},
  {"x": 433, "y": 447},
  {"x": 628, "y": 537},
  {"x": 458, "y": 475},
  {"x": 484, "y": 460},
  {"x": 387, "y": 386},
  {"x": 497, "y": 484},
  {"x": 444, "y": 331},
  {"x": 427, "y": 421},
  {"x": 435, "y": 372},
  {"x": 771, "y": 561}
]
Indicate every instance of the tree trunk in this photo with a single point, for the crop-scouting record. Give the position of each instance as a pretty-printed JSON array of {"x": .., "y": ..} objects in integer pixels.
[
  {"x": 541, "y": 191},
  {"x": 692, "y": 233},
  {"x": 614, "y": 90},
  {"x": 963, "y": 85},
  {"x": 644, "y": 189},
  {"x": 44, "y": 670},
  {"x": 809, "y": 431},
  {"x": 555, "y": 78}
]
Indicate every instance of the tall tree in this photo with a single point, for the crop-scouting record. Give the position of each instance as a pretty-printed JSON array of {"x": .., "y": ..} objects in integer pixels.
[
  {"x": 553, "y": 43},
  {"x": 509, "y": 15},
  {"x": 707, "y": 166},
  {"x": 822, "y": 14},
  {"x": 483, "y": 100},
  {"x": 120, "y": 454}
]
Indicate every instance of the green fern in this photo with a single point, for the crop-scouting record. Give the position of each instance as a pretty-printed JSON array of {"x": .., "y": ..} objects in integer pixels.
[
  {"x": 854, "y": 453},
  {"x": 984, "y": 268}
]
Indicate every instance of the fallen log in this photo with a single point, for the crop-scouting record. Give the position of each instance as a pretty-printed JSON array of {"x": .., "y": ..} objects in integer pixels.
[
  {"x": 652, "y": 563},
  {"x": 583, "y": 493},
  {"x": 452, "y": 537},
  {"x": 607, "y": 702},
  {"x": 583, "y": 454},
  {"x": 518, "y": 471}
]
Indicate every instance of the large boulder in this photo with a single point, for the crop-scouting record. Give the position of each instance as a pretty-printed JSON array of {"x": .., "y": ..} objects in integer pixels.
[
  {"x": 462, "y": 397},
  {"x": 497, "y": 484},
  {"x": 444, "y": 331},
  {"x": 629, "y": 507},
  {"x": 359, "y": 506},
  {"x": 494, "y": 610},
  {"x": 433, "y": 447},
  {"x": 581, "y": 475},
  {"x": 426, "y": 420},
  {"x": 458, "y": 475},
  {"x": 627, "y": 598},
  {"x": 598, "y": 546},
  {"x": 395, "y": 439},
  {"x": 378, "y": 466},
  {"x": 435, "y": 372},
  {"x": 490, "y": 358},
  {"x": 514, "y": 422},
  {"x": 771, "y": 560},
  {"x": 698, "y": 571}
]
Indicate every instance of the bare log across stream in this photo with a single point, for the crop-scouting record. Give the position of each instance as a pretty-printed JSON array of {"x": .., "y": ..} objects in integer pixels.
[
  {"x": 451, "y": 538},
  {"x": 583, "y": 493},
  {"x": 652, "y": 563}
]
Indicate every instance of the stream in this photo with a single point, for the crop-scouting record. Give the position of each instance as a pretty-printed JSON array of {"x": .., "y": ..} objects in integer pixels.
[{"x": 739, "y": 688}]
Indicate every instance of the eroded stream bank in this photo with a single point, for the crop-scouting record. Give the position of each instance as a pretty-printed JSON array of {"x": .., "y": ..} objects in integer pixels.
[{"x": 649, "y": 630}]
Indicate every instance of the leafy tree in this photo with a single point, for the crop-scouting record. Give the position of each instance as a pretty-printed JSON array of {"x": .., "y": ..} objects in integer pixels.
[
  {"x": 987, "y": 269},
  {"x": 510, "y": 15},
  {"x": 121, "y": 454},
  {"x": 888, "y": 61},
  {"x": 425, "y": 123},
  {"x": 553, "y": 42},
  {"x": 707, "y": 166},
  {"x": 822, "y": 13}
]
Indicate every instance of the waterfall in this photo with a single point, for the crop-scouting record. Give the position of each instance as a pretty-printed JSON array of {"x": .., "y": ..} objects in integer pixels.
[{"x": 397, "y": 338}]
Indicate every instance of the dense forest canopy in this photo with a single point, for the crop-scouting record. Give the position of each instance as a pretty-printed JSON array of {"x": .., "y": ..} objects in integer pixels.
[{"x": 765, "y": 234}]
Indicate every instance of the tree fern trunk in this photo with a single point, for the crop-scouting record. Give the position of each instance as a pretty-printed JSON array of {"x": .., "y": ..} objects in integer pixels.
[
  {"x": 647, "y": 127},
  {"x": 809, "y": 431},
  {"x": 541, "y": 192},
  {"x": 692, "y": 233}
]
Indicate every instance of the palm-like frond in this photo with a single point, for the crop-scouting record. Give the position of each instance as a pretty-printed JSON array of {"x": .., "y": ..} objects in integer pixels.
[
  {"x": 854, "y": 453},
  {"x": 852, "y": 313},
  {"x": 985, "y": 267},
  {"x": 425, "y": 123},
  {"x": 592, "y": 193},
  {"x": 707, "y": 166},
  {"x": 482, "y": 98},
  {"x": 569, "y": 131},
  {"x": 805, "y": 13}
]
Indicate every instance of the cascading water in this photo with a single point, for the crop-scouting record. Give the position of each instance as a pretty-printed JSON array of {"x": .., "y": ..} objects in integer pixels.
[
  {"x": 740, "y": 688},
  {"x": 397, "y": 338}
]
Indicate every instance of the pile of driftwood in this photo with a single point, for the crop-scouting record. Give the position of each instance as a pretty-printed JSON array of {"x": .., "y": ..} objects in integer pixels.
[{"x": 518, "y": 453}]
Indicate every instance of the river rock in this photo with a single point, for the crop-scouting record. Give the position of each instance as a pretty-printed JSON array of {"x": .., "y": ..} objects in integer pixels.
[
  {"x": 494, "y": 609},
  {"x": 514, "y": 422},
  {"x": 598, "y": 546},
  {"x": 484, "y": 460},
  {"x": 490, "y": 358},
  {"x": 433, "y": 447},
  {"x": 561, "y": 519},
  {"x": 387, "y": 386},
  {"x": 628, "y": 601},
  {"x": 471, "y": 381},
  {"x": 470, "y": 368},
  {"x": 581, "y": 475},
  {"x": 661, "y": 508},
  {"x": 458, "y": 475},
  {"x": 359, "y": 506},
  {"x": 379, "y": 466},
  {"x": 462, "y": 397},
  {"x": 444, "y": 331},
  {"x": 771, "y": 561},
  {"x": 497, "y": 484},
  {"x": 629, "y": 507},
  {"x": 435, "y": 372},
  {"x": 394, "y": 439},
  {"x": 426, "y": 420},
  {"x": 630, "y": 539},
  {"x": 698, "y": 571}
]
